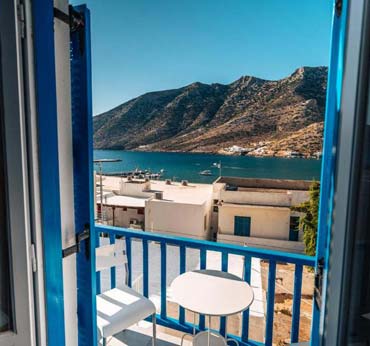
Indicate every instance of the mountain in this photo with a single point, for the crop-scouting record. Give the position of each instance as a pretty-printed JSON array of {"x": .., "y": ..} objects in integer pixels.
[{"x": 264, "y": 117}]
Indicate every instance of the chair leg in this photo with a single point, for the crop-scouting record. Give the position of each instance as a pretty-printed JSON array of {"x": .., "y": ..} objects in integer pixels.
[
  {"x": 183, "y": 338},
  {"x": 154, "y": 322}
]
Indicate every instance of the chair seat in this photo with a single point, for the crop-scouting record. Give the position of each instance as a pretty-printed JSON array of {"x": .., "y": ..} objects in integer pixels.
[{"x": 120, "y": 308}]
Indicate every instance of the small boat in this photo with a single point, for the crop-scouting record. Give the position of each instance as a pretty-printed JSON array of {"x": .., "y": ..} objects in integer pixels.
[{"x": 206, "y": 172}]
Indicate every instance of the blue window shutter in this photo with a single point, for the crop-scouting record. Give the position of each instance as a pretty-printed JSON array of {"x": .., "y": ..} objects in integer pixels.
[
  {"x": 327, "y": 181},
  {"x": 46, "y": 103},
  {"x": 294, "y": 228},
  {"x": 83, "y": 177},
  {"x": 242, "y": 226}
]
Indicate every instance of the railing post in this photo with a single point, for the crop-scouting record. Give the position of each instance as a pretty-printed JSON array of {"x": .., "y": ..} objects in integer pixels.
[
  {"x": 270, "y": 303},
  {"x": 245, "y": 314},
  {"x": 182, "y": 270},
  {"x": 203, "y": 265},
  {"x": 129, "y": 260},
  {"x": 98, "y": 279},
  {"x": 112, "y": 240},
  {"x": 224, "y": 268},
  {"x": 296, "y": 302},
  {"x": 145, "y": 268},
  {"x": 163, "y": 280}
]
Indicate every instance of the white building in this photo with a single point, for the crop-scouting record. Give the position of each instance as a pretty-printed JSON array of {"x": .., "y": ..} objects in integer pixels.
[
  {"x": 180, "y": 210},
  {"x": 257, "y": 212},
  {"x": 124, "y": 202}
]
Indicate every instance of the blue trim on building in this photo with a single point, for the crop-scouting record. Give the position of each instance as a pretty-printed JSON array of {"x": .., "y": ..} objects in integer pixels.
[
  {"x": 46, "y": 103},
  {"x": 83, "y": 178}
]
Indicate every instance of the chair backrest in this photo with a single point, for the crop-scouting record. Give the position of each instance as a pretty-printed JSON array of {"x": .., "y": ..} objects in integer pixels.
[{"x": 108, "y": 256}]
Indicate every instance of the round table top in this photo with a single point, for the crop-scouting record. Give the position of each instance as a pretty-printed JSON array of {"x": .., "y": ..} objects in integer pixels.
[{"x": 212, "y": 292}]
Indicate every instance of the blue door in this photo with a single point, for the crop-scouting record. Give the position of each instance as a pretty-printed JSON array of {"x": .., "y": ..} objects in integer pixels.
[{"x": 242, "y": 226}]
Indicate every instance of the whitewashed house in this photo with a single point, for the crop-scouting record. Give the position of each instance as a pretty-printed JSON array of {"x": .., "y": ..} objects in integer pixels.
[{"x": 257, "y": 212}]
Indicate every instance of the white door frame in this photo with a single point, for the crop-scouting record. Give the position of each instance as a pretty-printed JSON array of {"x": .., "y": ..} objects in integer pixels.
[{"x": 17, "y": 177}]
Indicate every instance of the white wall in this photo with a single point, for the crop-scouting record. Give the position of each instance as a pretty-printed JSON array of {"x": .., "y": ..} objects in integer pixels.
[
  {"x": 272, "y": 244},
  {"x": 299, "y": 197},
  {"x": 62, "y": 50},
  {"x": 177, "y": 218},
  {"x": 122, "y": 217},
  {"x": 268, "y": 197},
  {"x": 257, "y": 197},
  {"x": 266, "y": 222},
  {"x": 136, "y": 189}
]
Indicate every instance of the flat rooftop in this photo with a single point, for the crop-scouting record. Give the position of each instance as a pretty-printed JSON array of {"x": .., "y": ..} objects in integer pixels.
[
  {"x": 251, "y": 184},
  {"x": 191, "y": 194},
  {"x": 125, "y": 201}
]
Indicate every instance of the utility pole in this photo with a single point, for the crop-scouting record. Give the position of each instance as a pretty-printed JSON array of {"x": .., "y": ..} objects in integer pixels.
[{"x": 100, "y": 162}]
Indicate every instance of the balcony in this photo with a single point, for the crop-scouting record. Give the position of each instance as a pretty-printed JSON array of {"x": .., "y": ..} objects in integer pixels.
[{"x": 154, "y": 260}]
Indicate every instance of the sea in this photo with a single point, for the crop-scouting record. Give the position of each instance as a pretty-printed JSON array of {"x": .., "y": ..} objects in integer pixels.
[{"x": 187, "y": 166}]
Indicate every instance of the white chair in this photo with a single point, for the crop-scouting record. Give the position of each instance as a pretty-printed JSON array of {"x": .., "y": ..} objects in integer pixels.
[{"x": 120, "y": 307}]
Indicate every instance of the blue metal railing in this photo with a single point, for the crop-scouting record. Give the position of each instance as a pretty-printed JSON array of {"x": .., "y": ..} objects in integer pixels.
[{"x": 225, "y": 250}]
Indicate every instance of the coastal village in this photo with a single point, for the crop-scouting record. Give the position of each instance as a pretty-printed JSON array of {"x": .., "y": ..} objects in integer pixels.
[
  {"x": 252, "y": 212},
  {"x": 249, "y": 212},
  {"x": 261, "y": 149}
]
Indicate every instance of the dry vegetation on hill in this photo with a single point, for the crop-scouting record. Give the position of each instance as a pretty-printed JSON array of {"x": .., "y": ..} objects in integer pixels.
[{"x": 269, "y": 118}]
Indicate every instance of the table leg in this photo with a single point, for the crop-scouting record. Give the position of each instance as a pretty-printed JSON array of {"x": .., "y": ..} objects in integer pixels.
[
  {"x": 209, "y": 330},
  {"x": 225, "y": 327},
  {"x": 193, "y": 323}
]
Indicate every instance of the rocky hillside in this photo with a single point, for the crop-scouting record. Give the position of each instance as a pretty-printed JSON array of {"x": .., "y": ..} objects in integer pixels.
[{"x": 251, "y": 115}]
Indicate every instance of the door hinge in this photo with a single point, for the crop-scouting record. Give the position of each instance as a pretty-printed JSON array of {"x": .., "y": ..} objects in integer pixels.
[
  {"x": 75, "y": 21},
  {"x": 84, "y": 235},
  {"x": 21, "y": 19},
  {"x": 33, "y": 258},
  {"x": 338, "y": 7},
  {"x": 73, "y": 18}
]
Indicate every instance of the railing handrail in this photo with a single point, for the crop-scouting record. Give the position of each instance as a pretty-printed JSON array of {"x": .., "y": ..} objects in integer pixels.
[{"x": 211, "y": 246}]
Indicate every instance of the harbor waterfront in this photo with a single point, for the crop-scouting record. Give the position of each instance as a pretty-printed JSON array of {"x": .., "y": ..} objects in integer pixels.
[{"x": 187, "y": 166}]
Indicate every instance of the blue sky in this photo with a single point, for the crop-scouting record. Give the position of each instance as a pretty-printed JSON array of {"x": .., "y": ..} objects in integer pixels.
[{"x": 147, "y": 45}]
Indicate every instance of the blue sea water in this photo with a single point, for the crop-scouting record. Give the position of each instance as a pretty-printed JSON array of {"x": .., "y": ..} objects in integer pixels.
[{"x": 179, "y": 166}]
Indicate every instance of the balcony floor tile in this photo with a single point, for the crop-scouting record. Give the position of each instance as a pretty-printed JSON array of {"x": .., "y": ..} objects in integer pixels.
[{"x": 141, "y": 335}]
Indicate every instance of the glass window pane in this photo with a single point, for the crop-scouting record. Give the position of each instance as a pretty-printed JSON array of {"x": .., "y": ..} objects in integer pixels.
[
  {"x": 359, "y": 308},
  {"x": 5, "y": 287}
]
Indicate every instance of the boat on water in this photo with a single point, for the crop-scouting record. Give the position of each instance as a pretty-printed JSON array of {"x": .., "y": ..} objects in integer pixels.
[{"x": 206, "y": 172}]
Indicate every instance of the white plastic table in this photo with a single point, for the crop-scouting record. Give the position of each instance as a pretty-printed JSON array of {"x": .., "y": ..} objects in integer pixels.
[{"x": 212, "y": 293}]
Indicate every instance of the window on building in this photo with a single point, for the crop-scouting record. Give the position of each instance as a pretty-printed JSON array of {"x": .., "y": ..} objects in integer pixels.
[
  {"x": 242, "y": 226},
  {"x": 294, "y": 228},
  {"x": 215, "y": 201},
  {"x": 215, "y": 209},
  {"x": 140, "y": 211}
]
